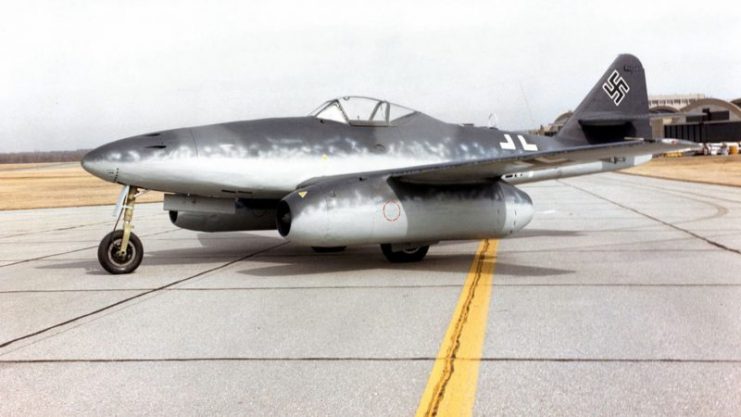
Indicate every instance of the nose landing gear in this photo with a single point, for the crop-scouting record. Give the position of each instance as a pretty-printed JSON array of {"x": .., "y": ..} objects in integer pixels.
[{"x": 121, "y": 251}]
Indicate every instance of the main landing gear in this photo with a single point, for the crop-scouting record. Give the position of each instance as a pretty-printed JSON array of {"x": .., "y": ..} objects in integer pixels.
[
  {"x": 404, "y": 254},
  {"x": 121, "y": 251}
]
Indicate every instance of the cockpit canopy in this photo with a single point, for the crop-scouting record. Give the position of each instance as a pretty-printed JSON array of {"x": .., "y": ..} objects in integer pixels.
[{"x": 362, "y": 111}]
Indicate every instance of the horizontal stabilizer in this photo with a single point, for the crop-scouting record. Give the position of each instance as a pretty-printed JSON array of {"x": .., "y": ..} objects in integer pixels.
[
  {"x": 611, "y": 119},
  {"x": 616, "y": 119}
]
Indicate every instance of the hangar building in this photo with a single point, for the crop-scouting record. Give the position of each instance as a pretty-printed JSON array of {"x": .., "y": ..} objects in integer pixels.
[
  {"x": 703, "y": 120},
  {"x": 691, "y": 117}
]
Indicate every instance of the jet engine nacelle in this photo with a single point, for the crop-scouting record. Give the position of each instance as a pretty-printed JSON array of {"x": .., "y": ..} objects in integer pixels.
[{"x": 383, "y": 210}]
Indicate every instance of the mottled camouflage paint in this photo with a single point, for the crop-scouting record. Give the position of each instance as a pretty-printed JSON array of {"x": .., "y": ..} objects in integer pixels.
[
  {"x": 331, "y": 161},
  {"x": 269, "y": 158}
]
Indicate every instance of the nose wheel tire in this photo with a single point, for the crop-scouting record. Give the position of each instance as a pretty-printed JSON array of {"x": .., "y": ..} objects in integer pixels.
[
  {"x": 404, "y": 255},
  {"x": 110, "y": 258}
]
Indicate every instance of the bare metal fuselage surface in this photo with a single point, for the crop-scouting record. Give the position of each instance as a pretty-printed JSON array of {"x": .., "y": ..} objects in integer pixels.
[
  {"x": 267, "y": 159},
  {"x": 366, "y": 171}
]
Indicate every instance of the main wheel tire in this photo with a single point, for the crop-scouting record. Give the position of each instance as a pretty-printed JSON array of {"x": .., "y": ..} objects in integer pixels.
[
  {"x": 405, "y": 255},
  {"x": 328, "y": 249},
  {"x": 108, "y": 253}
]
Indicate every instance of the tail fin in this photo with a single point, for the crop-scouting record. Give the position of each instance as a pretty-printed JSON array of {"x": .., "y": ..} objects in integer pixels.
[{"x": 615, "y": 108}]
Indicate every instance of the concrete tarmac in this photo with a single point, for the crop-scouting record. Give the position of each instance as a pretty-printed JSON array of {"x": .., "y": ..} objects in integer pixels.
[{"x": 622, "y": 297}]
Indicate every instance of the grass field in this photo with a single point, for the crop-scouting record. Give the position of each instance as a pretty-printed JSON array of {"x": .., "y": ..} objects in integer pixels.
[
  {"x": 28, "y": 186},
  {"x": 722, "y": 170}
]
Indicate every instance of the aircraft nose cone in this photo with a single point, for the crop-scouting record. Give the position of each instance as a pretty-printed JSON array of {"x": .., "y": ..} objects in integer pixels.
[
  {"x": 96, "y": 163},
  {"x": 87, "y": 162}
]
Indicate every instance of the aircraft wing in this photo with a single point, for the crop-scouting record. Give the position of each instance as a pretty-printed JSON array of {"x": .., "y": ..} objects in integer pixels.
[
  {"x": 534, "y": 162},
  {"x": 532, "y": 166}
]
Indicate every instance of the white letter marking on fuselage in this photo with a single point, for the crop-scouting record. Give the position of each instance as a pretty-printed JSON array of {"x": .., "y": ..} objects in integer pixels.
[
  {"x": 527, "y": 146},
  {"x": 509, "y": 144}
]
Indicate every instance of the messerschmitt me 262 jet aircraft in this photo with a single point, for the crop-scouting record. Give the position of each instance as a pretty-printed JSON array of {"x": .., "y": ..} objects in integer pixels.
[{"x": 362, "y": 171}]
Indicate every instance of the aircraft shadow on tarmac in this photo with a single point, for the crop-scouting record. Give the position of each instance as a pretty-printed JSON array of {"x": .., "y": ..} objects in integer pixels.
[
  {"x": 297, "y": 261},
  {"x": 365, "y": 259}
]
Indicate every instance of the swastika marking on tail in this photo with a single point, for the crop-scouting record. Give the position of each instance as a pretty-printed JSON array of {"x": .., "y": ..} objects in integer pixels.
[{"x": 616, "y": 87}]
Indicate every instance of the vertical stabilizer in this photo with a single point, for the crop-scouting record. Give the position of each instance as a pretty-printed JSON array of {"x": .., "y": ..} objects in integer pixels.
[{"x": 615, "y": 108}]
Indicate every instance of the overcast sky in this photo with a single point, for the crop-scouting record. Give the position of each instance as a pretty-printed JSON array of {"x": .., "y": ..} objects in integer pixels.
[{"x": 77, "y": 74}]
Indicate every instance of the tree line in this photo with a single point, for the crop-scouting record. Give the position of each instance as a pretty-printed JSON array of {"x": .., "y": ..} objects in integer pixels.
[{"x": 38, "y": 156}]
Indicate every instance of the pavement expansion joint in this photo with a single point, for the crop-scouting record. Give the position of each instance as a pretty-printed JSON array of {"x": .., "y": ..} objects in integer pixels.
[
  {"x": 371, "y": 287},
  {"x": 74, "y": 251},
  {"x": 79, "y": 226},
  {"x": 142, "y": 294},
  {"x": 648, "y": 216},
  {"x": 370, "y": 359}
]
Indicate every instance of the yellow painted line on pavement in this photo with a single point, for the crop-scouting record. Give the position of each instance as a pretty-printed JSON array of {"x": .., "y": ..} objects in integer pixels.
[{"x": 451, "y": 388}]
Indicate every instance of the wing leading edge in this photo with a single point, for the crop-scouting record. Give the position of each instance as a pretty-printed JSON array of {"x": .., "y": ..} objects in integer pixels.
[{"x": 530, "y": 166}]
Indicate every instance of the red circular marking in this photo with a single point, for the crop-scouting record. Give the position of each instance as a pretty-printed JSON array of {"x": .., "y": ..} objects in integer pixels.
[{"x": 391, "y": 211}]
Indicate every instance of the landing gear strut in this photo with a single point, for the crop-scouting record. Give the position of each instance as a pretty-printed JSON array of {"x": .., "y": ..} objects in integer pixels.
[{"x": 121, "y": 251}]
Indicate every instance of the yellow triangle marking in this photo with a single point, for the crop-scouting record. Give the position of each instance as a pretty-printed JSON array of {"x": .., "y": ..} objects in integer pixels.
[{"x": 302, "y": 194}]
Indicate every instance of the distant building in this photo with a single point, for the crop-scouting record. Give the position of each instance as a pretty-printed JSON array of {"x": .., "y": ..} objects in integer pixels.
[
  {"x": 692, "y": 117},
  {"x": 552, "y": 128},
  {"x": 675, "y": 101},
  {"x": 705, "y": 120}
]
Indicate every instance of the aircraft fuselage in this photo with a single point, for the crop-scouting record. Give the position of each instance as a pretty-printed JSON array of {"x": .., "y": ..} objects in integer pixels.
[{"x": 268, "y": 158}]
